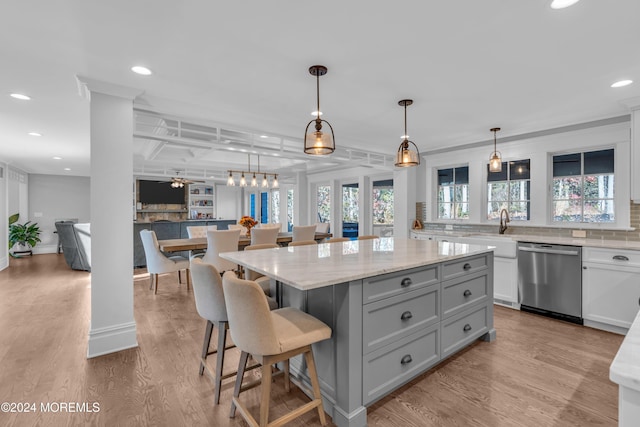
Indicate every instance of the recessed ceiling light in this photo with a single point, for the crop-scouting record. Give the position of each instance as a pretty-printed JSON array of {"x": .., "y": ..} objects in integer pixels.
[
  {"x": 315, "y": 113},
  {"x": 622, "y": 83},
  {"x": 57, "y": 158},
  {"x": 561, "y": 4},
  {"x": 67, "y": 169},
  {"x": 34, "y": 134},
  {"x": 20, "y": 96},
  {"x": 143, "y": 71},
  {"x": 264, "y": 136}
]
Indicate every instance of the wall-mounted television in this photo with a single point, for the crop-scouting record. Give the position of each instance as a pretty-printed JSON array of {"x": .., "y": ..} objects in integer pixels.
[{"x": 160, "y": 192}]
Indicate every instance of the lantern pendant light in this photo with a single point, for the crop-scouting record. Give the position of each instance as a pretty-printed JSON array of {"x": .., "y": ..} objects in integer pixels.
[
  {"x": 407, "y": 156},
  {"x": 495, "y": 160},
  {"x": 317, "y": 142}
]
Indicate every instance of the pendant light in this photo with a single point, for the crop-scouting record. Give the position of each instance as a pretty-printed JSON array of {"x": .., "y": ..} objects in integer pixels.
[
  {"x": 275, "y": 184},
  {"x": 316, "y": 142},
  {"x": 495, "y": 161},
  {"x": 230, "y": 181},
  {"x": 407, "y": 156},
  {"x": 243, "y": 181}
]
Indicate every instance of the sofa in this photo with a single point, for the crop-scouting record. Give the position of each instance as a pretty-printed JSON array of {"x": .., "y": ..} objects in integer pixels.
[{"x": 75, "y": 240}]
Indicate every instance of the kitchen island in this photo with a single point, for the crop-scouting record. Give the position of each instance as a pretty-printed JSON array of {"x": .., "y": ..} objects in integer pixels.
[{"x": 397, "y": 307}]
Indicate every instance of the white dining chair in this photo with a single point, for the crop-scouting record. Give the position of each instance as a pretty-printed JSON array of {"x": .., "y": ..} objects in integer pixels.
[
  {"x": 219, "y": 241},
  {"x": 261, "y": 236},
  {"x": 273, "y": 225},
  {"x": 303, "y": 232},
  {"x": 322, "y": 227},
  {"x": 199, "y": 231},
  {"x": 159, "y": 263},
  {"x": 262, "y": 280}
]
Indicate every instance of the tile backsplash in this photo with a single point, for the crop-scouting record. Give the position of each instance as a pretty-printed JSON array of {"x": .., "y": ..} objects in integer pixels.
[{"x": 540, "y": 231}]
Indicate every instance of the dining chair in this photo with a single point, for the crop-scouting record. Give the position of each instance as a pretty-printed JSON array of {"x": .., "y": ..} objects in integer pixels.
[
  {"x": 196, "y": 232},
  {"x": 243, "y": 230},
  {"x": 159, "y": 263},
  {"x": 264, "y": 235},
  {"x": 199, "y": 231},
  {"x": 337, "y": 239},
  {"x": 303, "y": 243},
  {"x": 322, "y": 227},
  {"x": 303, "y": 232},
  {"x": 270, "y": 337},
  {"x": 262, "y": 280},
  {"x": 368, "y": 237},
  {"x": 219, "y": 241},
  {"x": 273, "y": 225}
]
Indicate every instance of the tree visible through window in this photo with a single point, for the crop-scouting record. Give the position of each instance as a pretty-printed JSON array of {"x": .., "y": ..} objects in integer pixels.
[
  {"x": 509, "y": 189},
  {"x": 453, "y": 193},
  {"x": 583, "y": 186},
  {"x": 324, "y": 203},
  {"x": 382, "y": 208}
]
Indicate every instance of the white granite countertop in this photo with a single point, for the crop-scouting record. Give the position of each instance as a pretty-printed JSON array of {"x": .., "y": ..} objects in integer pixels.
[
  {"x": 310, "y": 267},
  {"x": 625, "y": 368},
  {"x": 594, "y": 243}
]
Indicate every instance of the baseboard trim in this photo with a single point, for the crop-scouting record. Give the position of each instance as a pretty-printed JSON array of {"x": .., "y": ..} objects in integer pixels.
[
  {"x": 4, "y": 263},
  {"x": 111, "y": 339}
]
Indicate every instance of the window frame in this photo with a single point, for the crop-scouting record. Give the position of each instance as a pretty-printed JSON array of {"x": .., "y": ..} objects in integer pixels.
[
  {"x": 617, "y": 208},
  {"x": 454, "y": 203},
  {"x": 509, "y": 200}
]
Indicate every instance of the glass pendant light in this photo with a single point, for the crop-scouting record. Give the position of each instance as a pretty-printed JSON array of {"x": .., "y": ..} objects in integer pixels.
[
  {"x": 243, "y": 181},
  {"x": 495, "y": 160},
  {"x": 265, "y": 183},
  {"x": 407, "y": 156},
  {"x": 275, "y": 184},
  {"x": 254, "y": 182},
  {"x": 230, "y": 181},
  {"x": 316, "y": 142}
]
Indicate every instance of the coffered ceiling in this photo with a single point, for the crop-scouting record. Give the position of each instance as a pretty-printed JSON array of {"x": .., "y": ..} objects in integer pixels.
[{"x": 237, "y": 74}]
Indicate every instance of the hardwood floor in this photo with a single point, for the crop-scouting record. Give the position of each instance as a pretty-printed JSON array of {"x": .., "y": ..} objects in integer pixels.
[{"x": 539, "y": 372}]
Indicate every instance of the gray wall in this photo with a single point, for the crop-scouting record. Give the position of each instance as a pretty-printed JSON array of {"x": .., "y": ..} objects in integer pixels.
[{"x": 55, "y": 197}]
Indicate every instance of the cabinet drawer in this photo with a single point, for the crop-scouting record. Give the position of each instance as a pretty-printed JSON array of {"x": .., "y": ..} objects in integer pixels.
[
  {"x": 388, "y": 285},
  {"x": 390, "y": 319},
  {"x": 612, "y": 256},
  {"x": 393, "y": 365},
  {"x": 459, "y": 294},
  {"x": 461, "y": 267},
  {"x": 462, "y": 329}
]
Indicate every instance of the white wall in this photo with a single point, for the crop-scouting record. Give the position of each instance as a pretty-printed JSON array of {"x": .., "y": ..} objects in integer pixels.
[
  {"x": 227, "y": 202},
  {"x": 539, "y": 150},
  {"x": 4, "y": 216},
  {"x": 55, "y": 197}
]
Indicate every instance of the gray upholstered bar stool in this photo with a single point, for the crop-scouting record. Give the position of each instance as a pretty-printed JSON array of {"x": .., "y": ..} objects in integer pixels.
[
  {"x": 209, "y": 296},
  {"x": 210, "y": 303},
  {"x": 270, "y": 337}
]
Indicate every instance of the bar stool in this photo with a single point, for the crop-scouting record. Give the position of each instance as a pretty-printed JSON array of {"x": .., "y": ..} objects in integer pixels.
[{"x": 270, "y": 337}]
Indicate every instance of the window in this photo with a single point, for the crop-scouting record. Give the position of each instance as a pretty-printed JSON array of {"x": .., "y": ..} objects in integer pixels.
[
  {"x": 453, "y": 193},
  {"x": 382, "y": 209},
  {"x": 324, "y": 203},
  {"x": 290, "y": 218},
  {"x": 509, "y": 189},
  {"x": 275, "y": 206},
  {"x": 583, "y": 187}
]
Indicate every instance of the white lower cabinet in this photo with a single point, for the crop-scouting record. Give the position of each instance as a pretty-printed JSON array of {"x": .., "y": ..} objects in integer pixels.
[
  {"x": 505, "y": 279},
  {"x": 610, "y": 288}
]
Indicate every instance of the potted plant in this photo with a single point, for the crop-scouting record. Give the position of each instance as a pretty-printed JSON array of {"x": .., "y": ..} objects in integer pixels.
[{"x": 23, "y": 237}]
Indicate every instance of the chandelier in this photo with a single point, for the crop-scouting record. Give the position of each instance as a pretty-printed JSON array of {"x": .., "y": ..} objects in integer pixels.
[{"x": 254, "y": 180}]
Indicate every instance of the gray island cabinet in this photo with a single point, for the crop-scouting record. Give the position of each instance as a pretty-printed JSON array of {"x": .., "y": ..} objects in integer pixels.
[{"x": 397, "y": 307}]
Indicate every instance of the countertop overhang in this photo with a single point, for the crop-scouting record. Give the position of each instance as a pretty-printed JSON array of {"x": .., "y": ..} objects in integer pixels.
[
  {"x": 625, "y": 368},
  {"x": 315, "y": 266}
]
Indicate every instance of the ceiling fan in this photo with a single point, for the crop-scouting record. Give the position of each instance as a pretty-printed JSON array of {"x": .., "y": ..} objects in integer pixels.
[{"x": 179, "y": 182}]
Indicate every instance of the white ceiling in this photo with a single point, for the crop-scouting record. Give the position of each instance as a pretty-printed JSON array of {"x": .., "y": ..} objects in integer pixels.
[{"x": 468, "y": 65}]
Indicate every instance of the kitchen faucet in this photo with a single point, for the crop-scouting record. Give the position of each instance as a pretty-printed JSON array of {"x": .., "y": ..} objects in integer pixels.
[{"x": 503, "y": 225}]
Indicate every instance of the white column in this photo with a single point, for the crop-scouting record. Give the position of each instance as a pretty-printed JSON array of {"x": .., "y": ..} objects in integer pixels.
[
  {"x": 404, "y": 200},
  {"x": 365, "y": 225},
  {"x": 301, "y": 200},
  {"x": 634, "y": 105},
  {"x": 113, "y": 326}
]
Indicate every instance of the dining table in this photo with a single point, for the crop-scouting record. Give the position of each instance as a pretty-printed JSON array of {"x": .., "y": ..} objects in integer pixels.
[{"x": 175, "y": 245}]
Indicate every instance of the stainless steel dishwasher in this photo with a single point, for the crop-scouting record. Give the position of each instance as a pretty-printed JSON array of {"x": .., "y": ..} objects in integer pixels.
[{"x": 550, "y": 280}]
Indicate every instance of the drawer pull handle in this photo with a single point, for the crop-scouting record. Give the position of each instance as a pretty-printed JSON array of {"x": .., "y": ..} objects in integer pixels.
[
  {"x": 467, "y": 327},
  {"x": 406, "y": 315},
  {"x": 620, "y": 258},
  {"x": 406, "y": 359},
  {"x": 406, "y": 282},
  {"x": 466, "y": 267},
  {"x": 467, "y": 293}
]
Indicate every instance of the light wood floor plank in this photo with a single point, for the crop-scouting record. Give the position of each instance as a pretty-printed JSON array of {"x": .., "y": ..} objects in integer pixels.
[{"x": 539, "y": 372}]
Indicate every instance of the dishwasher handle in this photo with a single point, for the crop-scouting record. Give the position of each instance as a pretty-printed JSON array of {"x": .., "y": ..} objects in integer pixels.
[{"x": 544, "y": 250}]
